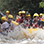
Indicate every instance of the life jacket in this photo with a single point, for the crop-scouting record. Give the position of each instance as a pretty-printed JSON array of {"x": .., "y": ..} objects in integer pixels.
[
  {"x": 35, "y": 24},
  {"x": 11, "y": 25},
  {"x": 18, "y": 20},
  {"x": 21, "y": 20},
  {"x": 5, "y": 26},
  {"x": 26, "y": 22}
]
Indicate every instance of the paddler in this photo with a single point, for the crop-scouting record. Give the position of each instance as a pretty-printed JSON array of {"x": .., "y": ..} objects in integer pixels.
[
  {"x": 40, "y": 19},
  {"x": 35, "y": 20},
  {"x": 22, "y": 17},
  {"x": 40, "y": 16},
  {"x": 10, "y": 18},
  {"x": 27, "y": 20},
  {"x": 7, "y": 13},
  {"x": 4, "y": 25},
  {"x": 18, "y": 17}
]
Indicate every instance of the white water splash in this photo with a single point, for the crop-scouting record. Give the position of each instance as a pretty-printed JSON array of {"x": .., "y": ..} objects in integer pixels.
[{"x": 17, "y": 36}]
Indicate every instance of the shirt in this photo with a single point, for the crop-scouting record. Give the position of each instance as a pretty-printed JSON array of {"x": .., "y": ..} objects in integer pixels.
[{"x": 4, "y": 25}]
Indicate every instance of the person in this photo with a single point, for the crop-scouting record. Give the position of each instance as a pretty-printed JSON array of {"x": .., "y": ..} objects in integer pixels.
[
  {"x": 40, "y": 17},
  {"x": 42, "y": 21},
  {"x": 22, "y": 17},
  {"x": 18, "y": 17},
  {"x": 35, "y": 23},
  {"x": 4, "y": 25},
  {"x": 19, "y": 14},
  {"x": 7, "y": 13},
  {"x": 27, "y": 21},
  {"x": 30, "y": 19},
  {"x": 11, "y": 25}
]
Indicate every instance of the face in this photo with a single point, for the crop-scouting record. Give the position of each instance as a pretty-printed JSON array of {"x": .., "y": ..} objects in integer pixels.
[
  {"x": 9, "y": 19},
  {"x": 27, "y": 18},
  {"x": 35, "y": 18},
  {"x": 40, "y": 15},
  {"x": 7, "y": 14},
  {"x": 23, "y": 15},
  {"x": 19, "y": 14}
]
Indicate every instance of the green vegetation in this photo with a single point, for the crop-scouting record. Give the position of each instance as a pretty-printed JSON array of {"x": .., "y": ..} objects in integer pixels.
[
  {"x": 42, "y": 5},
  {"x": 15, "y": 5}
]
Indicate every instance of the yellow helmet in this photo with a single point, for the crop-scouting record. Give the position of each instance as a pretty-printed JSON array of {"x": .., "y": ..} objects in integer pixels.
[
  {"x": 41, "y": 14},
  {"x": 36, "y": 14},
  {"x": 7, "y": 11},
  {"x": 23, "y": 11},
  {"x": 4, "y": 18},
  {"x": 19, "y": 12},
  {"x": 10, "y": 16},
  {"x": 28, "y": 15}
]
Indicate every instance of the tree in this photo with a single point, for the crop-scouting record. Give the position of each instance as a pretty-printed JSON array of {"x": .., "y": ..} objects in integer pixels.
[
  {"x": 42, "y": 5},
  {"x": 15, "y": 5}
]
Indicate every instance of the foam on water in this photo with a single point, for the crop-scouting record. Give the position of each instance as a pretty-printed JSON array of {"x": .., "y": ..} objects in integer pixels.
[{"x": 20, "y": 36}]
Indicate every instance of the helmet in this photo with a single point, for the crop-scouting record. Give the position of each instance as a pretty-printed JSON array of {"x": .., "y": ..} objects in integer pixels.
[
  {"x": 7, "y": 11},
  {"x": 41, "y": 14},
  {"x": 23, "y": 11},
  {"x": 36, "y": 14},
  {"x": 4, "y": 18},
  {"x": 28, "y": 15},
  {"x": 19, "y": 12},
  {"x": 10, "y": 16}
]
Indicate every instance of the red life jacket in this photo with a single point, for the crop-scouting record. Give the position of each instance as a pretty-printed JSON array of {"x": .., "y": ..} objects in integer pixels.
[
  {"x": 35, "y": 25},
  {"x": 21, "y": 20},
  {"x": 18, "y": 20},
  {"x": 27, "y": 24}
]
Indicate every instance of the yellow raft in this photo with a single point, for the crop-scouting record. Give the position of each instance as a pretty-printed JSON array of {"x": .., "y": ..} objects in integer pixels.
[
  {"x": 27, "y": 31},
  {"x": 31, "y": 30}
]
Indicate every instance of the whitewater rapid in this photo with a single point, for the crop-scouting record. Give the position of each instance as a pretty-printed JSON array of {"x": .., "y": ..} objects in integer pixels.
[{"x": 23, "y": 36}]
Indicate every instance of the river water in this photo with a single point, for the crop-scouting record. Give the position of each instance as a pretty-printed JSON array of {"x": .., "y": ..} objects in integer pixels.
[{"x": 23, "y": 36}]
